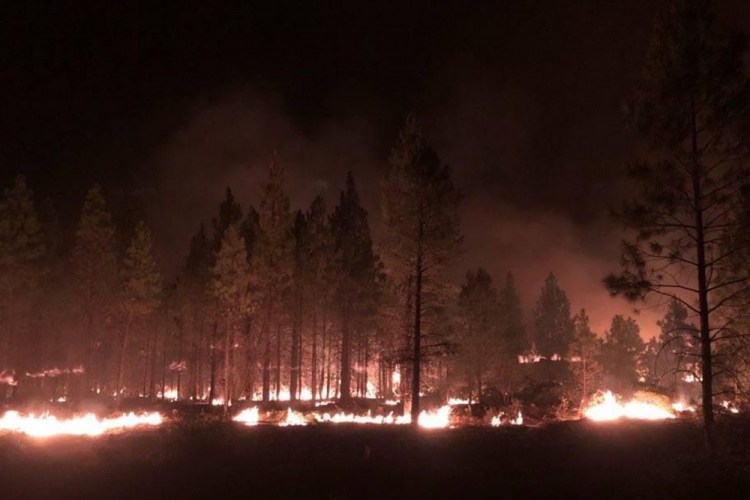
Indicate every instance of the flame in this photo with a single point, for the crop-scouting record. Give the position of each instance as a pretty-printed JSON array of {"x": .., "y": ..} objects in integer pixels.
[
  {"x": 248, "y": 416},
  {"x": 458, "y": 401},
  {"x": 8, "y": 377},
  {"x": 497, "y": 420},
  {"x": 435, "y": 420},
  {"x": 350, "y": 418},
  {"x": 170, "y": 394},
  {"x": 680, "y": 407},
  {"x": 729, "y": 406},
  {"x": 87, "y": 425},
  {"x": 56, "y": 372},
  {"x": 293, "y": 418},
  {"x": 609, "y": 409}
]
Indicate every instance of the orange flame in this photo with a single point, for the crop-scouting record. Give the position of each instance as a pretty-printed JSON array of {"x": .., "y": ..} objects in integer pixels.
[
  {"x": 610, "y": 409},
  {"x": 87, "y": 425}
]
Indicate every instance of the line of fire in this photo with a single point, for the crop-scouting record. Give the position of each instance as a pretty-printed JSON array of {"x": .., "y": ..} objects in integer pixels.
[{"x": 359, "y": 311}]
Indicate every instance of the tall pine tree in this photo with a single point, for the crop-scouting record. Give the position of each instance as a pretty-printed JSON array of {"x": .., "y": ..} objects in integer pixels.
[
  {"x": 141, "y": 284},
  {"x": 693, "y": 110},
  {"x": 420, "y": 205}
]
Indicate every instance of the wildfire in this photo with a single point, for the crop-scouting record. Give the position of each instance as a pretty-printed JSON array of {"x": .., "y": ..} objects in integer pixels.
[
  {"x": 350, "y": 418},
  {"x": 729, "y": 406},
  {"x": 497, "y": 420},
  {"x": 609, "y": 409},
  {"x": 293, "y": 418},
  {"x": 248, "y": 416},
  {"x": 680, "y": 407},
  {"x": 435, "y": 420},
  {"x": 88, "y": 425}
]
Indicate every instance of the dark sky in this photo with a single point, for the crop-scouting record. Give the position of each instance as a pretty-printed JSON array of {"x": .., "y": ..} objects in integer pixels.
[{"x": 174, "y": 102}]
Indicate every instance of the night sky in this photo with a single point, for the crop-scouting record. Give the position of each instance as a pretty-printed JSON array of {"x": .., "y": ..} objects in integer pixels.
[{"x": 172, "y": 104}]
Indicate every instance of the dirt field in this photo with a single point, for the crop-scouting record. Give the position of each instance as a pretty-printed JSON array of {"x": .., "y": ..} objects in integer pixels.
[{"x": 223, "y": 460}]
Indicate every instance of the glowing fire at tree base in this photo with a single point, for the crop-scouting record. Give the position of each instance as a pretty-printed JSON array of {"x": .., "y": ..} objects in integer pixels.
[
  {"x": 87, "y": 425},
  {"x": 610, "y": 409},
  {"x": 437, "y": 419}
]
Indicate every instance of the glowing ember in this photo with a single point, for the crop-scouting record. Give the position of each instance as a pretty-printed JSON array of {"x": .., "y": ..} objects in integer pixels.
[
  {"x": 609, "y": 409},
  {"x": 56, "y": 372},
  {"x": 8, "y": 377},
  {"x": 497, "y": 420},
  {"x": 87, "y": 425},
  {"x": 350, "y": 418},
  {"x": 248, "y": 416},
  {"x": 729, "y": 406},
  {"x": 682, "y": 407},
  {"x": 170, "y": 394},
  {"x": 293, "y": 418}
]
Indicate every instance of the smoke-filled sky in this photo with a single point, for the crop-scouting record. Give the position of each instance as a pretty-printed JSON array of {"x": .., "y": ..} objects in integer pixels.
[{"x": 173, "y": 104}]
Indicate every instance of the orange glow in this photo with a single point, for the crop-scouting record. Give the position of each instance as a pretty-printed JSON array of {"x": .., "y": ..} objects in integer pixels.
[
  {"x": 248, "y": 416},
  {"x": 88, "y": 425},
  {"x": 610, "y": 409}
]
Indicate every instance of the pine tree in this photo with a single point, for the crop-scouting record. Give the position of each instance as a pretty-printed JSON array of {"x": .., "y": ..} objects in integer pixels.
[
  {"x": 141, "y": 285},
  {"x": 584, "y": 355},
  {"x": 552, "y": 325},
  {"x": 319, "y": 246},
  {"x": 512, "y": 327},
  {"x": 94, "y": 265},
  {"x": 355, "y": 271},
  {"x": 693, "y": 109},
  {"x": 481, "y": 343},
  {"x": 22, "y": 253},
  {"x": 272, "y": 263},
  {"x": 231, "y": 287},
  {"x": 621, "y": 349},
  {"x": 420, "y": 205}
]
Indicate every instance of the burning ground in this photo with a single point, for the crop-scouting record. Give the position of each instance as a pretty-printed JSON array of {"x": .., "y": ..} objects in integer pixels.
[{"x": 223, "y": 459}]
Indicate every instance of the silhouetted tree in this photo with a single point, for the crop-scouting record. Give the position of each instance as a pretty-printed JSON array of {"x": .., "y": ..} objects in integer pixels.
[
  {"x": 552, "y": 325},
  {"x": 480, "y": 342},
  {"x": 22, "y": 254},
  {"x": 271, "y": 263},
  {"x": 141, "y": 286},
  {"x": 231, "y": 287},
  {"x": 94, "y": 264},
  {"x": 584, "y": 353},
  {"x": 420, "y": 205},
  {"x": 355, "y": 272},
  {"x": 693, "y": 108},
  {"x": 621, "y": 349}
]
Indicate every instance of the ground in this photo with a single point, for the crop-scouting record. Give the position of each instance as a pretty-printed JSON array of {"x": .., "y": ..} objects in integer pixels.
[{"x": 226, "y": 460}]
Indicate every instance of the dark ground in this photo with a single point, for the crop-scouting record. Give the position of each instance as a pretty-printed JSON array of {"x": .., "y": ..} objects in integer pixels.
[{"x": 223, "y": 460}]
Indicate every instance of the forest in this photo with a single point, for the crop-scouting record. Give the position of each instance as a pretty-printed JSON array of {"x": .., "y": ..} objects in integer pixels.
[{"x": 274, "y": 302}]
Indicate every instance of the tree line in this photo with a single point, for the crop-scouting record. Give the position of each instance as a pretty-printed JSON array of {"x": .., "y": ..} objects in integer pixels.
[{"x": 272, "y": 301}]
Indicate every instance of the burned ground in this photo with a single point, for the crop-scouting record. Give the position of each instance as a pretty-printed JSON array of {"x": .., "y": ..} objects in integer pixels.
[{"x": 222, "y": 460}]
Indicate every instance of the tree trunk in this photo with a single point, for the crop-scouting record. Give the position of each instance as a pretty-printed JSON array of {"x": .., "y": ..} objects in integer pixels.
[
  {"x": 154, "y": 352},
  {"x": 417, "y": 331},
  {"x": 345, "y": 351},
  {"x": 700, "y": 244},
  {"x": 267, "y": 354},
  {"x": 212, "y": 379},
  {"x": 277, "y": 381},
  {"x": 294, "y": 369},
  {"x": 227, "y": 367},
  {"x": 314, "y": 357},
  {"x": 123, "y": 353}
]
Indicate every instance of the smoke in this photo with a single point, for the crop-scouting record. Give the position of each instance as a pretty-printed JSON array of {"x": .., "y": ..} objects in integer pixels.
[{"x": 229, "y": 142}]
